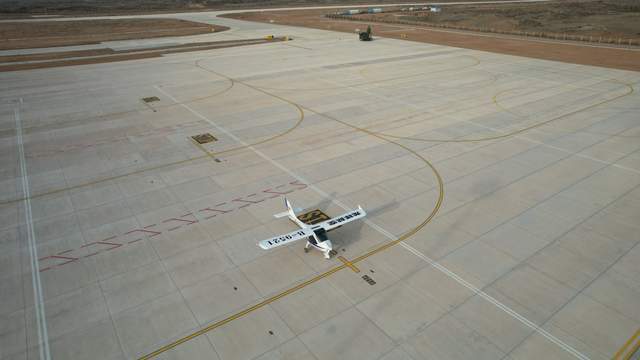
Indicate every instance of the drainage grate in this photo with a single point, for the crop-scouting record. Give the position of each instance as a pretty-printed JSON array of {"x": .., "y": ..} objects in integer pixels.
[
  {"x": 313, "y": 217},
  {"x": 150, "y": 99},
  {"x": 204, "y": 138}
]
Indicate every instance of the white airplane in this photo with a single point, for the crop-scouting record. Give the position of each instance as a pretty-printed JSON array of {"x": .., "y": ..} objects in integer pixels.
[{"x": 316, "y": 235}]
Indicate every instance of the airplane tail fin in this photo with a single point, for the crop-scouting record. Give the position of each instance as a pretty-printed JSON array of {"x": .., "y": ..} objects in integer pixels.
[{"x": 291, "y": 212}]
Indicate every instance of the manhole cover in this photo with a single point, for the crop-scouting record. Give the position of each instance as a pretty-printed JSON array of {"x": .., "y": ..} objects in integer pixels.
[
  {"x": 204, "y": 138},
  {"x": 313, "y": 217},
  {"x": 150, "y": 99}
]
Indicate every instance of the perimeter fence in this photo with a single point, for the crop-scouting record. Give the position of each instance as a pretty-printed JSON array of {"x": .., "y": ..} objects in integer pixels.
[{"x": 535, "y": 34}]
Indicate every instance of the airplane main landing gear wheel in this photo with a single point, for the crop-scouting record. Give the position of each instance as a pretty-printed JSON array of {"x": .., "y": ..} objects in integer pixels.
[{"x": 333, "y": 253}]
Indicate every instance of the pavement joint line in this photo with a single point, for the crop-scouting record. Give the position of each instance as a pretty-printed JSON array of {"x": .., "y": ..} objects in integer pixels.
[
  {"x": 146, "y": 232},
  {"x": 515, "y": 135},
  {"x": 508, "y": 134},
  {"x": 161, "y": 166},
  {"x": 519, "y": 131},
  {"x": 400, "y": 240},
  {"x": 41, "y": 319},
  {"x": 469, "y": 286},
  {"x": 321, "y": 192},
  {"x": 25, "y": 199},
  {"x": 348, "y": 263},
  {"x": 454, "y": 276},
  {"x": 487, "y": 285},
  {"x": 394, "y": 240},
  {"x": 503, "y": 108},
  {"x": 576, "y": 154},
  {"x": 371, "y": 82},
  {"x": 231, "y": 84},
  {"x": 497, "y": 303},
  {"x": 629, "y": 86},
  {"x": 600, "y": 274},
  {"x": 81, "y": 146},
  {"x": 622, "y": 351}
]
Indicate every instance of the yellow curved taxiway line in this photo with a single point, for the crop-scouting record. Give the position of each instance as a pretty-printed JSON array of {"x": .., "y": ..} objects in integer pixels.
[
  {"x": 322, "y": 275},
  {"x": 515, "y": 132},
  {"x": 179, "y": 162}
]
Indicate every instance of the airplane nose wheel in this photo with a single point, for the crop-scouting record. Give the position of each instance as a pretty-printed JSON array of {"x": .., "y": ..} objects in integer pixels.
[{"x": 306, "y": 250}]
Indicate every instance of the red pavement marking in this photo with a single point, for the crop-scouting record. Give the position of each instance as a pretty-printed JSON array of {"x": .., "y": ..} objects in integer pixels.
[
  {"x": 114, "y": 245},
  {"x": 221, "y": 211},
  {"x": 278, "y": 193},
  {"x": 189, "y": 222},
  {"x": 248, "y": 201},
  {"x": 151, "y": 233},
  {"x": 298, "y": 183},
  {"x": 70, "y": 259}
]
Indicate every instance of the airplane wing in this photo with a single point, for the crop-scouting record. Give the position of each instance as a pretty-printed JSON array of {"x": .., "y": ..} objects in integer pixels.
[
  {"x": 285, "y": 239},
  {"x": 338, "y": 221}
]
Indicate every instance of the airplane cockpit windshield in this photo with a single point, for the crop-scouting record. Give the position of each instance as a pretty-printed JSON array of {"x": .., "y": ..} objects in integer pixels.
[{"x": 321, "y": 234}]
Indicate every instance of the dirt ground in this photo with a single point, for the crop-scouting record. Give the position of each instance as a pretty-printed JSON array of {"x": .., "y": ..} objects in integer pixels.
[
  {"x": 606, "y": 18},
  {"x": 25, "y": 35},
  {"x": 85, "y": 57},
  {"x": 16, "y": 9},
  {"x": 571, "y": 53}
]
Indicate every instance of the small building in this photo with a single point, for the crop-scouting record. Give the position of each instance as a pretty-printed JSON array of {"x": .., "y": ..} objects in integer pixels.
[
  {"x": 435, "y": 9},
  {"x": 350, "y": 12}
]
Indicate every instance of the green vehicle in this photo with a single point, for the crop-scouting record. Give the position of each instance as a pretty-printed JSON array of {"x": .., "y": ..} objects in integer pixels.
[{"x": 366, "y": 35}]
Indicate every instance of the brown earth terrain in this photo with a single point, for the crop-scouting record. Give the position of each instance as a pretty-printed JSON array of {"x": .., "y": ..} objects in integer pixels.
[
  {"x": 27, "y": 35},
  {"x": 606, "y": 18},
  {"x": 86, "y": 57},
  {"x": 12, "y": 9},
  {"x": 619, "y": 58}
]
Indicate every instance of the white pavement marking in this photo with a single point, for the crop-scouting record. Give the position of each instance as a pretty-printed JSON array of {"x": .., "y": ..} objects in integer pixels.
[
  {"x": 392, "y": 237},
  {"x": 43, "y": 336}
]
